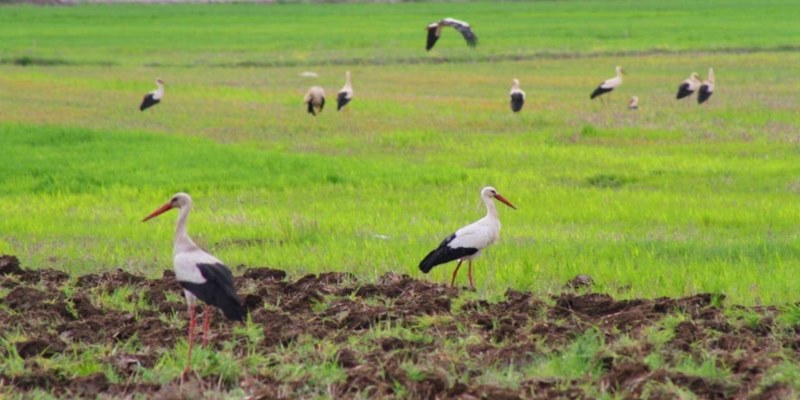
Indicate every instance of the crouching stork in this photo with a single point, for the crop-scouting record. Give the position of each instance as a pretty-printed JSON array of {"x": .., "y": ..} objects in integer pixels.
[
  {"x": 468, "y": 242},
  {"x": 315, "y": 100},
  {"x": 201, "y": 275}
]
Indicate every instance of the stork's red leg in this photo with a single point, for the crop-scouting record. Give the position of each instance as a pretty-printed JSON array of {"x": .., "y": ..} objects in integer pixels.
[
  {"x": 453, "y": 281},
  {"x": 191, "y": 339},
  {"x": 206, "y": 323},
  {"x": 469, "y": 273}
]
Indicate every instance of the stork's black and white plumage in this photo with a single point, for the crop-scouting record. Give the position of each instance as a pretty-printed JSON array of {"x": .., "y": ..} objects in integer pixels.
[
  {"x": 315, "y": 100},
  {"x": 609, "y": 84},
  {"x": 707, "y": 88},
  {"x": 201, "y": 275},
  {"x": 517, "y": 97},
  {"x": 435, "y": 30},
  {"x": 346, "y": 94},
  {"x": 689, "y": 86},
  {"x": 153, "y": 97},
  {"x": 468, "y": 242},
  {"x": 634, "y": 103}
]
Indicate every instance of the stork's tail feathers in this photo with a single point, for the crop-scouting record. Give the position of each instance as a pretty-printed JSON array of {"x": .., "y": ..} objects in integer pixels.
[{"x": 232, "y": 308}]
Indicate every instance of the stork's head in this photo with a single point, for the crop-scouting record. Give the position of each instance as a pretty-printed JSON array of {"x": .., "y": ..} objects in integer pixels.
[
  {"x": 491, "y": 193},
  {"x": 179, "y": 200},
  {"x": 159, "y": 81},
  {"x": 711, "y": 74},
  {"x": 695, "y": 76},
  {"x": 619, "y": 70},
  {"x": 516, "y": 82}
]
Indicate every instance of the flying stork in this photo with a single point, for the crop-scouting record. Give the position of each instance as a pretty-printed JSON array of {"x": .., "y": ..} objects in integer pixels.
[
  {"x": 517, "y": 97},
  {"x": 153, "y": 97},
  {"x": 315, "y": 99},
  {"x": 435, "y": 30},
  {"x": 346, "y": 94},
  {"x": 468, "y": 242},
  {"x": 609, "y": 84},
  {"x": 707, "y": 88},
  {"x": 201, "y": 275},
  {"x": 689, "y": 86}
]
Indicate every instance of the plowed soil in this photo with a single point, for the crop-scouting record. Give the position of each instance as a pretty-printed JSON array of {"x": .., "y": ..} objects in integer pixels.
[{"x": 516, "y": 332}]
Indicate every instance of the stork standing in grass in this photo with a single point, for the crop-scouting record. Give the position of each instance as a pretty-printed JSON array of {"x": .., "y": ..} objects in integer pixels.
[
  {"x": 201, "y": 275},
  {"x": 435, "y": 30},
  {"x": 517, "y": 97},
  {"x": 634, "y": 103},
  {"x": 346, "y": 94},
  {"x": 609, "y": 85},
  {"x": 689, "y": 86},
  {"x": 468, "y": 242},
  {"x": 315, "y": 99},
  {"x": 707, "y": 88},
  {"x": 153, "y": 97}
]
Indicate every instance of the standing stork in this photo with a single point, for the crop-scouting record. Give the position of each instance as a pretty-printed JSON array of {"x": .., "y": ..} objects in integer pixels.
[
  {"x": 153, "y": 97},
  {"x": 346, "y": 94},
  {"x": 435, "y": 30},
  {"x": 689, "y": 86},
  {"x": 468, "y": 242},
  {"x": 201, "y": 275},
  {"x": 634, "y": 103},
  {"x": 315, "y": 99},
  {"x": 609, "y": 84},
  {"x": 707, "y": 88},
  {"x": 517, "y": 97}
]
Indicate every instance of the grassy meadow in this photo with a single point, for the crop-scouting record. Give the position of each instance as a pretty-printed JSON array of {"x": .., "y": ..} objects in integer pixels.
[{"x": 670, "y": 200}]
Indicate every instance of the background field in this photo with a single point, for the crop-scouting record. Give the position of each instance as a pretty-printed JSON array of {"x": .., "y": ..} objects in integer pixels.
[{"x": 673, "y": 199}]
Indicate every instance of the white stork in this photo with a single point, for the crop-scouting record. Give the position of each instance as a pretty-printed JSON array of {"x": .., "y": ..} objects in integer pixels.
[
  {"x": 435, "y": 30},
  {"x": 689, "y": 86},
  {"x": 346, "y": 94},
  {"x": 707, "y": 88},
  {"x": 634, "y": 103},
  {"x": 609, "y": 84},
  {"x": 468, "y": 242},
  {"x": 517, "y": 97},
  {"x": 201, "y": 275},
  {"x": 153, "y": 97},
  {"x": 315, "y": 99}
]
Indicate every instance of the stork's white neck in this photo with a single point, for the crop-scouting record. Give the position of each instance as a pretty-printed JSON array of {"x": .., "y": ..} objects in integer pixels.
[
  {"x": 347, "y": 79},
  {"x": 491, "y": 210},
  {"x": 159, "y": 91},
  {"x": 183, "y": 242}
]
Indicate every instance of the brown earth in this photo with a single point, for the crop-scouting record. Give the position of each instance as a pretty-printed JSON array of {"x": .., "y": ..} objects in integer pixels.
[{"x": 335, "y": 307}]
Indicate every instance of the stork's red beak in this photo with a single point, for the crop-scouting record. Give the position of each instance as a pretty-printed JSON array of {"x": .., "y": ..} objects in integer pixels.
[
  {"x": 161, "y": 210},
  {"x": 504, "y": 200}
]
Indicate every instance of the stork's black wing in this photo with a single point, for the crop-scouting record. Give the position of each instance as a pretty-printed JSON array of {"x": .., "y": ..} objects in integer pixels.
[
  {"x": 683, "y": 91},
  {"x": 148, "y": 101},
  {"x": 432, "y": 37},
  {"x": 218, "y": 290},
  {"x": 469, "y": 36},
  {"x": 445, "y": 253},
  {"x": 704, "y": 94}
]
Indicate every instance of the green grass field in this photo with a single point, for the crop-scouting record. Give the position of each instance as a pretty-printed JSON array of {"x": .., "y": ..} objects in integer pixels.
[{"x": 670, "y": 200}]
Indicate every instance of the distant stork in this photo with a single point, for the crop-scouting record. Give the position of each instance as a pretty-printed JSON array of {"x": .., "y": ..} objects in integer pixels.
[
  {"x": 435, "y": 30},
  {"x": 315, "y": 99},
  {"x": 517, "y": 97},
  {"x": 153, "y": 97},
  {"x": 689, "y": 86},
  {"x": 634, "y": 103},
  {"x": 468, "y": 242},
  {"x": 201, "y": 275},
  {"x": 609, "y": 84},
  {"x": 346, "y": 94},
  {"x": 707, "y": 88}
]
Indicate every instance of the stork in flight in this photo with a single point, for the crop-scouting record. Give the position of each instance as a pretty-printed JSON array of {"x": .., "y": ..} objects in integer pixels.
[
  {"x": 435, "y": 30},
  {"x": 153, "y": 97},
  {"x": 468, "y": 242},
  {"x": 346, "y": 94},
  {"x": 517, "y": 97},
  {"x": 609, "y": 84},
  {"x": 315, "y": 99},
  {"x": 201, "y": 275},
  {"x": 689, "y": 86},
  {"x": 707, "y": 88}
]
